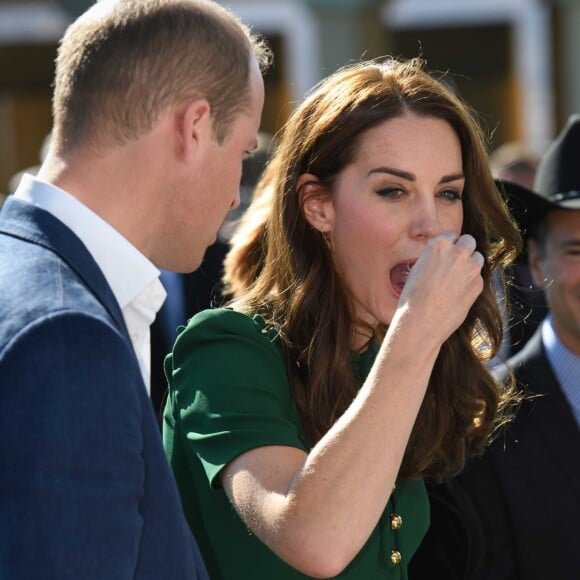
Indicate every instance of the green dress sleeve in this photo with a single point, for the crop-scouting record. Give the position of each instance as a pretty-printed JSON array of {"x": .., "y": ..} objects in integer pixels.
[{"x": 229, "y": 384}]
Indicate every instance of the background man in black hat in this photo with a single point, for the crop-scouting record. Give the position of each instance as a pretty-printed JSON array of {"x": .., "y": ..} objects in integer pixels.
[{"x": 525, "y": 490}]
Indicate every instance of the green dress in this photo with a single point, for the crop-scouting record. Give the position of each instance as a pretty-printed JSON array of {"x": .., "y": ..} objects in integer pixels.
[{"x": 229, "y": 393}]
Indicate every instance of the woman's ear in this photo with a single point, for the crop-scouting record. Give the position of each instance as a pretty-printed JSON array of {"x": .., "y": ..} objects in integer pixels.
[{"x": 316, "y": 203}]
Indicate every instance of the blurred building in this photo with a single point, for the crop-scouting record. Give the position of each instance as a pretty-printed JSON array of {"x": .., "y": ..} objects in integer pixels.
[{"x": 514, "y": 61}]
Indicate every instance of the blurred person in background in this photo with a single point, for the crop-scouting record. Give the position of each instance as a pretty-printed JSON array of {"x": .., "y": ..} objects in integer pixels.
[
  {"x": 525, "y": 306},
  {"x": 302, "y": 419},
  {"x": 33, "y": 169},
  {"x": 514, "y": 162}
]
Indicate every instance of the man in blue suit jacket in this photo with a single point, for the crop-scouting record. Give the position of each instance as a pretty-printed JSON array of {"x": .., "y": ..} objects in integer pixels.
[{"x": 156, "y": 102}]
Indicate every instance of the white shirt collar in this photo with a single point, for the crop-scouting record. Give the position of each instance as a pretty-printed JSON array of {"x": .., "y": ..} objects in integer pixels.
[
  {"x": 126, "y": 270},
  {"x": 133, "y": 279}
]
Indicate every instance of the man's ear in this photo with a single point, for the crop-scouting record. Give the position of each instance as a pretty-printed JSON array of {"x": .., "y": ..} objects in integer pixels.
[
  {"x": 535, "y": 264},
  {"x": 316, "y": 203},
  {"x": 194, "y": 126}
]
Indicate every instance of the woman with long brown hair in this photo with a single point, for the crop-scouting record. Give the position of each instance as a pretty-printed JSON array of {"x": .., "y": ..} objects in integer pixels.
[{"x": 302, "y": 419}]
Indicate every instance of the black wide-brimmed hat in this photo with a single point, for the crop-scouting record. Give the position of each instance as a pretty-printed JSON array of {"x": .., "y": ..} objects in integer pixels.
[{"x": 557, "y": 182}]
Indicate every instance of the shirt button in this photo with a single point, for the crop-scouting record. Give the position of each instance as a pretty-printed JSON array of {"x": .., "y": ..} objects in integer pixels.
[
  {"x": 396, "y": 521},
  {"x": 395, "y": 557}
]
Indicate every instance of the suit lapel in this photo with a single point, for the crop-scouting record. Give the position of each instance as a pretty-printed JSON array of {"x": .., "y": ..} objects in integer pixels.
[
  {"x": 552, "y": 414},
  {"x": 28, "y": 222}
]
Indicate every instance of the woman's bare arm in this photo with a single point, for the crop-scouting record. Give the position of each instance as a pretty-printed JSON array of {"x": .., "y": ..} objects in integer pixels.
[{"x": 316, "y": 511}]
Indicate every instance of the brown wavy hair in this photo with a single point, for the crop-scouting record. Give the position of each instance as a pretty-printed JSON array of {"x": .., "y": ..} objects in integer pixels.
[{"x": 295, "y": 286}]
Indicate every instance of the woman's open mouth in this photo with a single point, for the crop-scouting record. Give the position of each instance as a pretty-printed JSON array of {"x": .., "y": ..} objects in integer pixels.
[{"x": 399, "y": 275}]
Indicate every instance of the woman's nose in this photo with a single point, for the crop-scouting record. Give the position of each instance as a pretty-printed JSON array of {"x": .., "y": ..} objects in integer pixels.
[{"x": 425, "y": 221}]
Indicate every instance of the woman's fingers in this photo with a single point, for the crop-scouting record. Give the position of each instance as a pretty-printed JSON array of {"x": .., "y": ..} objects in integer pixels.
[
  {"x": 445, "y": 281},
  {"x": 478, "y": 258}
]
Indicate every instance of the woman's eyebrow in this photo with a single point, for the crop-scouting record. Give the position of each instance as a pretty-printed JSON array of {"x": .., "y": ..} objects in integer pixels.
[
  {"x": 411, "y": 176},
  {"x": 397, "y": 172},
  {"x": 452, "y": 177}
]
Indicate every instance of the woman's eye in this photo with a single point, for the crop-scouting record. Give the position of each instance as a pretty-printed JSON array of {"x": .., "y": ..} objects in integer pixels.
[
  {"x": 391, "y": 192},
  {"x": 451, "y": 195}
]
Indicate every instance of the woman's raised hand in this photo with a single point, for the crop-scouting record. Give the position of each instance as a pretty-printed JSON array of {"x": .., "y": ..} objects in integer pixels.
[{"x": 444, "y": 283}]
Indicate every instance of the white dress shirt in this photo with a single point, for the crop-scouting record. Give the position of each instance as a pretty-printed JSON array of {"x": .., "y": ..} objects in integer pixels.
[{"x": 133, "y": 279}]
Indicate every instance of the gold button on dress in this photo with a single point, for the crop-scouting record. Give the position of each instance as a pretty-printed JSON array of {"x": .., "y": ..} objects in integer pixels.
[
  {"x": 395, "y": 557},
  {"x": 396, "y": 521}
]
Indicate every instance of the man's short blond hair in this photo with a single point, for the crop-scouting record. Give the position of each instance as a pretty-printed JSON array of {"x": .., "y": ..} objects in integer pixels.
[{"x": 124, "y": 62}]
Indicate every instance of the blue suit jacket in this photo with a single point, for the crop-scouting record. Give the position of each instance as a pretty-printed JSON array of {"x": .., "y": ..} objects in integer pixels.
[{"x": 85, "y": 488}]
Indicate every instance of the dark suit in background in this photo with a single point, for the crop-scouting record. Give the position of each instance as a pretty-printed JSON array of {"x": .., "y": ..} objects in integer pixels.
[
  {"x": 85, "y": 489},
  {"x": 527, "y": 486},
  {"x": 514, "y": 512},
  {"x": 453, "y": 546}
]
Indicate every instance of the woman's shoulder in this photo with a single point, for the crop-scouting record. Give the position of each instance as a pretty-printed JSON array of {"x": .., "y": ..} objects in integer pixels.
[
  {"x": 226, "y": 325},
  {"x": 221, "y": 316},
  {"x": 227, "y": 346},
  {"x": 227, "y": 319}
]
